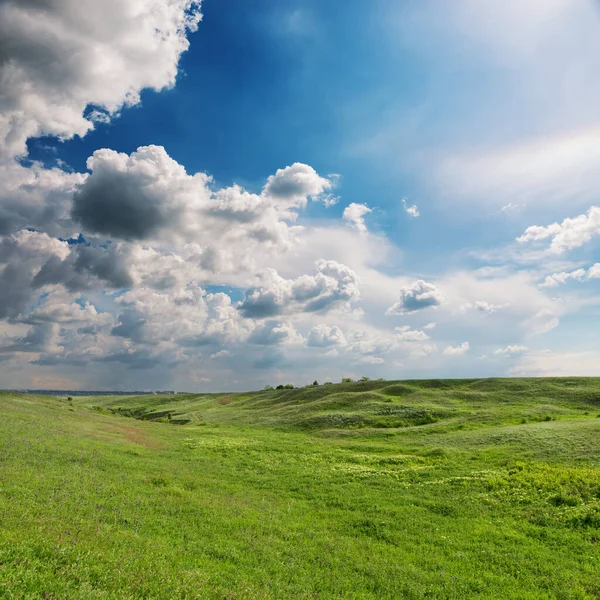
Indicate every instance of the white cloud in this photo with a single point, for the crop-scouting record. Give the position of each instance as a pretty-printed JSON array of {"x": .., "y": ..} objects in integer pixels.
[
  {"x": 418, "y": 296},
  {"x": 36, "y": 197},
  {"x": 354, "y": 213},
  {"x": 322, "y": 336},
  {"x": 412, "y": 211},
  {"x": 559, "y": 278},
  {"x": 487, "y": 308},
  {"x": 406, "y": 334},
  {"x": 456, "y": 350},
  {"x": 511, "y": 350},
  {"x": 293, "y": 185},
  {"x": 62, "y": 56},
  {"x": 571, "y": 233},
  {"x": 332, "y": 286},
  {"x": 273, "y": 333}
]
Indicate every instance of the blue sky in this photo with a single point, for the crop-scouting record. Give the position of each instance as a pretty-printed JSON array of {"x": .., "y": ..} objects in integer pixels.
[{"x": 298, "y": 190}]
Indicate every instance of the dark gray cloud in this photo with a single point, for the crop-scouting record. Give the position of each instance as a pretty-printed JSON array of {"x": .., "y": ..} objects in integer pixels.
[
  {"x": 118, "y": 204},
  {"x": 37, "y": 339},
  {"x": 87, "y": 267},
  {"x": 417, "y": 296}
]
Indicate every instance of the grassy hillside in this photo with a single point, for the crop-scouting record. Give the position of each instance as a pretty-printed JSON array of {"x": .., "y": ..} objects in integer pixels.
[{"x": 412, "y": 489}]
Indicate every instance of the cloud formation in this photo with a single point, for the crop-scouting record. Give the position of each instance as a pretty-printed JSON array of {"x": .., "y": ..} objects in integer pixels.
[
  {"x": 60, "y": 57},
  {"x": 417, "y": 296},
  {"x": 355, "y": 215},
  {"x": 412, "y": 211},
  {"x": 567, "y": 235},
  {"x": 333, "y": 285}
]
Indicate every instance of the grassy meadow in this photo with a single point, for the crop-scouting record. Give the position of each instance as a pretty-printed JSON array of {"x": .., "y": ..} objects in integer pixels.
[{"x": 411, "y": 489}]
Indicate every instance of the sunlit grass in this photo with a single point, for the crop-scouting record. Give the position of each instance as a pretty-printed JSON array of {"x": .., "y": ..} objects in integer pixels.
[{"x": 440, "y": 489}]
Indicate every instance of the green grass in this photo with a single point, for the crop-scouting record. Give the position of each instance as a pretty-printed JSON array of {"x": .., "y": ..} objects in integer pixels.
[{"x": 412, "y": 489}]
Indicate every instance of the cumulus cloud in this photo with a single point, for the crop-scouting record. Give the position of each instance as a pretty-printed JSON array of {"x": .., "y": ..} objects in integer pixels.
[
  {"x": 42, "y": 337},
  {"x": 333, "y": 285},
  {"x": 417, "y": 296},
  {"x": 274, "y": 333},
  {"x": 323, "y": 336},
  {"x": 60, "y": 57},
  {"x": 137, "y": 196},
  {"x": 355, "y": 215},
  {"x": 556, "y": 279},
  {"x": 149, "y": 197},
  {"x": 36, "y": 197},
  {"x": 293, "y": 185},
  {"x": 456, "y": 350},
  {"x": 567, "y": 235},
  {"x": 412, "y": 211},
  {"x": 22, "y": 254}
]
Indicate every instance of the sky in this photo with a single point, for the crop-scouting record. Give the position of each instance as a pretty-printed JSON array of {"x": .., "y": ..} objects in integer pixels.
[{"x": 213, "y": 195}]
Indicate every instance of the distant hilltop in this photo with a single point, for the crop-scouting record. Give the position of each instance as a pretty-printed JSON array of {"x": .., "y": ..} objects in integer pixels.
[{"x": 89, "y": 393}]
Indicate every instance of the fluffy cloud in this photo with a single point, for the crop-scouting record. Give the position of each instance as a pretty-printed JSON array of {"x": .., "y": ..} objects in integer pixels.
[
  {"x": 456, "y": 350},
  {"x": 355, "y": 215},
  {"x": 570, "y": 233},
  {"x": 418, "y": 296},
  {"x": 22, "y": 254},
  {"x": 42, "y": 337},
  {"x": 577, "y": 275},
  {"x": 60, "y": 57},
  {"x": 323, "y": 336},
  {"x": 36, "y": 197},
  {"x": 293, "y": 185},
  {"x": 138, "y": 196},
  {"x": 333, "y": 285},
  {"x": 147, "y": 196},
  {"x": 274, "y": 333}
]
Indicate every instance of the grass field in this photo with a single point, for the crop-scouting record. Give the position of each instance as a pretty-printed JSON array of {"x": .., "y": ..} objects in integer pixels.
[{"x": 408, "y": 489}]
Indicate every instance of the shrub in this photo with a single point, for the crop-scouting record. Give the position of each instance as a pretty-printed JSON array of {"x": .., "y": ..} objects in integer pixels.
[
  {"x": 346, "y": 379},
  {"x": 364, "y": 378},
  {"x": 224, "y": 400},
  {"x": 315, "y": 382},
  {"x": 268, "y": 388}
]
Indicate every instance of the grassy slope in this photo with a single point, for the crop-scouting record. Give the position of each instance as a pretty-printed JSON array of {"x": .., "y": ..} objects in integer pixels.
[{"x": 438, "y": 489}]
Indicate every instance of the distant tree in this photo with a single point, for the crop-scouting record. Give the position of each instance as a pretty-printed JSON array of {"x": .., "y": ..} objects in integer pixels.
[
  {"x": 268, "y": 388},
  {"x": 288, "y": 386},
  {"x": 346, "y": 379},
  {"x": 328, "y": 383},
  {"x": 280, "y": 387},
  {"x": 364, "y": 378},
  {"x": 315, "y": 382}
]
